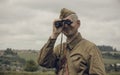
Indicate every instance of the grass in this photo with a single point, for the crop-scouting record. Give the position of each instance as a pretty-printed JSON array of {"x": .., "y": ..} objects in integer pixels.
[
  {"x": 114, "y": 73},
  {"x": 31, "y": 55},
  {"x": 27, "y": 73},
  {"x": 111, "y": 61},
  {"x": 28, "y": 55},
  {"x": 42, "y": 73}
]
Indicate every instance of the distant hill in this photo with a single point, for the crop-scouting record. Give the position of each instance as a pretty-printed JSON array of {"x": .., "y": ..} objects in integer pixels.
[{"x": 106, "y": 48}]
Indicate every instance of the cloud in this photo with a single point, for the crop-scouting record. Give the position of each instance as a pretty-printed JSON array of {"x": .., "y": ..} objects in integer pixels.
[{"x": 28, "y": 23}]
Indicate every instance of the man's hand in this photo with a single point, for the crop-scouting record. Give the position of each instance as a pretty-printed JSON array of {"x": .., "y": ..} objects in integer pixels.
[{"x": 56, "y": 31}]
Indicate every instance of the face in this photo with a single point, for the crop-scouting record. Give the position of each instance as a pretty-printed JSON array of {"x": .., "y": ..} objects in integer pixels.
[{"x": 70, "y": 30}]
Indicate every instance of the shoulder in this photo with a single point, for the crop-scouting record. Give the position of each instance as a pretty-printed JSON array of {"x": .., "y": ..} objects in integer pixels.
[
  {"x": 86, "y": 44},
  {"x": 88, "y": 48},
  {"x": 91, "y": 47}
]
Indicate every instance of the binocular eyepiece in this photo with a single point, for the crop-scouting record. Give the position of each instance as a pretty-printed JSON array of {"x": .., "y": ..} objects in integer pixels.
[{"x": 63, "y": 22}]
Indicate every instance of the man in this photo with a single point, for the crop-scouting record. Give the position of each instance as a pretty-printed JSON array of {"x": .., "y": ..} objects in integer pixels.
[{"x": 77, "y": 56}]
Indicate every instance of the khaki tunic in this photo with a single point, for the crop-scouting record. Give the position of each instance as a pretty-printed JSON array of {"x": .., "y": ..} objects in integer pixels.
[{"x": 79, "y": 57}]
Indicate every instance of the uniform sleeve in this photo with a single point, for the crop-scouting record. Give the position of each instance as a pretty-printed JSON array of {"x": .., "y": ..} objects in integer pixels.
[
  {"x": 96, "y": 65},
  {"x": 47, "y": 57}
]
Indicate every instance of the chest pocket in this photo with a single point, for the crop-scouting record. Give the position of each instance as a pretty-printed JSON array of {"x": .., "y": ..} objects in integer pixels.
[
  {"x": 78, "y": 62},
  {"x": 75, "y": 57}
]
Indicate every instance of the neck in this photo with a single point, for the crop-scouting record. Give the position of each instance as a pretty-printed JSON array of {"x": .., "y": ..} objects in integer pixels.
[{"x": 71, "y": 37}]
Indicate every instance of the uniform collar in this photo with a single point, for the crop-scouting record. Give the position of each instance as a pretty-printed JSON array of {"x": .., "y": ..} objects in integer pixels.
[{"x": 74, "y": 42}]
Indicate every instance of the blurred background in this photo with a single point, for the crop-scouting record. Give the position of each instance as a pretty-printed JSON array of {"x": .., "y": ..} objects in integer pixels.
[{"x": 25, "y": 26}]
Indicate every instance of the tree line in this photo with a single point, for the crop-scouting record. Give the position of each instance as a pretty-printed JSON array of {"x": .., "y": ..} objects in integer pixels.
[{"x": 106, "y": 48}]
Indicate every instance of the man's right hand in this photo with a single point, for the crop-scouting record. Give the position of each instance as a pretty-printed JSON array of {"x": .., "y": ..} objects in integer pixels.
[{"x": 56, "y": 31}]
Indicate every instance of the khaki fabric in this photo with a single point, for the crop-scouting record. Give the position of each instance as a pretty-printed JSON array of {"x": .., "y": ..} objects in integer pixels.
[{"x": 78, "y": 57}]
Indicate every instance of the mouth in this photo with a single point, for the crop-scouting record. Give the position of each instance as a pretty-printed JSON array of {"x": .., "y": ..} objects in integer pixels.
[{"x": 65, "y": 30}]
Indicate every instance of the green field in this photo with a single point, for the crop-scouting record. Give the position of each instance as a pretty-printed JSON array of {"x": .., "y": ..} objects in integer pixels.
[
  {"x": 40, "y": 73},
  {"x": 29, "y": 55},
  {"x": 111, "y": 61},
  {"x": 34, "y": 55},
  {"x": 114, "y": 73},
  {"x": 27, "y": 73}
]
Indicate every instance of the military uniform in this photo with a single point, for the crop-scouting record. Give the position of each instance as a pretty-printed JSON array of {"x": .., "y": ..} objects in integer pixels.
[{"x": 78, "y": 57}]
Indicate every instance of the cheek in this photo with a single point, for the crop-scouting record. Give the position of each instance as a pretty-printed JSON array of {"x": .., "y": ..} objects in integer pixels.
[
  {"x": 74, "y": 25},
  {"x": 73, "y": 28}
]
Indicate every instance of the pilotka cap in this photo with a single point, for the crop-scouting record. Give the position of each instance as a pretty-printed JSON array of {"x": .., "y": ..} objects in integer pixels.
[{"x": 65, "y": 12}]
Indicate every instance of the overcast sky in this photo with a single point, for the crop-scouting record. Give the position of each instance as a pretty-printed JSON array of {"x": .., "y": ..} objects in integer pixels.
[{"x": 27, "y": 24}]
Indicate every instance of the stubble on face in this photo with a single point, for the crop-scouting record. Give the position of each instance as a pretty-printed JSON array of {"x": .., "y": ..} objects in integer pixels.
[{"x": 70, "y": 30}]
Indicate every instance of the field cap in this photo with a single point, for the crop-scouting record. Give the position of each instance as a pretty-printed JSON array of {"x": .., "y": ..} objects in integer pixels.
[{"x": 65, "y": 12}]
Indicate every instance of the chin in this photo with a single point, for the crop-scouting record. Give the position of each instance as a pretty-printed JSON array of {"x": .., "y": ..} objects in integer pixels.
[{"x": 67, "y": 34}]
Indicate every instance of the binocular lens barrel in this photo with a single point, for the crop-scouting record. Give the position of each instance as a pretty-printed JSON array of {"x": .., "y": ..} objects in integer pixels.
[{"x": 62, "y": 22}]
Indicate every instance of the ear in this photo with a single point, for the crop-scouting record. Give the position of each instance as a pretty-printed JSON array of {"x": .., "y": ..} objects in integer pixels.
[{"x": 78, "y": 22}]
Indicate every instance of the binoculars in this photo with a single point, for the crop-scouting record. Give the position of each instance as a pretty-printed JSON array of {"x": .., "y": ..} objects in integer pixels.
[{"x": 63, "y": 22}]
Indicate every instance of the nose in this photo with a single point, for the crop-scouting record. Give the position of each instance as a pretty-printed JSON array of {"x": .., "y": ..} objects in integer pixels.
[{"x": 65, "y": 25}]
